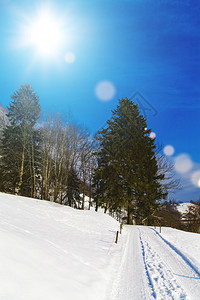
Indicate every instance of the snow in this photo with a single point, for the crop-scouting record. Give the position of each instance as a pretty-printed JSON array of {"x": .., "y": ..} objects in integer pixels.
[
  {"x": 188, "y": 243},
  {"x": 183, "y": 208},
  {"x": 155, "y": 267},
  {"x": 49, "y": 251}
]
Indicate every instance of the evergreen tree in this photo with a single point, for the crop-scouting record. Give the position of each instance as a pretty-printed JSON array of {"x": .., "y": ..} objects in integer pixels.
[
  {"x": 20, "y": 143},
  {"x": 73, "y": 189},
  {"x": 9, "y": 165},
  {"x": 127, "y": 175}
]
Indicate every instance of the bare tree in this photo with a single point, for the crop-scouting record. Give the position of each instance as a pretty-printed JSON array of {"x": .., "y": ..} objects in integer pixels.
[
  {"x": 66, "y": 151},
  {"x": 171, "y": 184},
  {"x": 4, "y": 120}
]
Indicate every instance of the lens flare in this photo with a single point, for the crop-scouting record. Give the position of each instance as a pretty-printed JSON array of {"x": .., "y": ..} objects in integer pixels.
[
  {"x": 183, "y": 163},
  {"x": 195, "y": 178},
  {"x": 105, "y": 90},
  {"x": 168, "y": 150},
  {"x": 70, "y": 57},
  {"x": 152, "y": 135}
]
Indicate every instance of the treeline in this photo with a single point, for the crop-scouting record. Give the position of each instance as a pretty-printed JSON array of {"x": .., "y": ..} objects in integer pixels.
[
  {"x": 47, "y": 158},
  {"x": 54, "y": 159},
  {"x": 170, "y": 216}
]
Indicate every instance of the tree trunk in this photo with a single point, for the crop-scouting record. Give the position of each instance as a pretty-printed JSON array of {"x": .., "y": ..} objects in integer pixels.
[
  {"x": 83, "y": 201},
  {"x": 96, "y": 208},
  {"x": 21, "y": 174},
  {"x": 106, "y": 208},
  {"x": 130, "y": 216},
  {"x": 33, "y": 166},
  {"x": 90, "y": 196}
]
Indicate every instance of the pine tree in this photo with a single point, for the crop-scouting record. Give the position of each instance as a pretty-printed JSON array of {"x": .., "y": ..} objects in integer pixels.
[
  {"x": 73, "y": 189},
  {"x": 9, "y": 164},
  {"x": 20, "y": 143},
  {"x": 127, "y": 175}
]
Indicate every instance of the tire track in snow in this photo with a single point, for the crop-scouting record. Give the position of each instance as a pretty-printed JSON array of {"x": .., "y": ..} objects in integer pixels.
[
  {"x": 195, "y": 269},
  {"x": 160, "y": 278},
  {"x": 147, "y": 268},
  {"x": 184, "y": 272},
  {"x": 130, "y": 281},
  {"x": 152, "y": 268}
]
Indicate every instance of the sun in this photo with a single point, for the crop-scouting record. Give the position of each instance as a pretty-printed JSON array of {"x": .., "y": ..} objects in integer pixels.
[{"x": 45, "y": 34}]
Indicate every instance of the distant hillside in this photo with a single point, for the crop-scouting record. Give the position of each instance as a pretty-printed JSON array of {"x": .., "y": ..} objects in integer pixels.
[
  {"x": 190, "y": 216},
  {"x": 183, "y": 207}
]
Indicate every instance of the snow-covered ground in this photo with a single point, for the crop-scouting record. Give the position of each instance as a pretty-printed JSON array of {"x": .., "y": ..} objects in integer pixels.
[
  {"x": 53, "y": 252},
  {"x": 158, "y": 266},
  {"x": 183, "y": 208}
]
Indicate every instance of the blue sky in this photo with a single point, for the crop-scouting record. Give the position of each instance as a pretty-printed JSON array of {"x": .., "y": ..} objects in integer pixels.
[{"x": 150, "y": 47}]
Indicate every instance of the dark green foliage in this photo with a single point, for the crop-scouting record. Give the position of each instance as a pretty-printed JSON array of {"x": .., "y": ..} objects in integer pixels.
[
  {"x": 73, "y": 189},
  {"x": 24, "y": 110},
  {"x": 10, "y": 165},
  {"x": 127, "y": 175},
  {"x": 20, "y": 144}
]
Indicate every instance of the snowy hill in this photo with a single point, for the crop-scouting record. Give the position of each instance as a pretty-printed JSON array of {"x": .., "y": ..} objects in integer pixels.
[
  {"x": 49, "y": 251},
  {"x": 183, "y": 208},
  {"x": 54, "y": 252}
]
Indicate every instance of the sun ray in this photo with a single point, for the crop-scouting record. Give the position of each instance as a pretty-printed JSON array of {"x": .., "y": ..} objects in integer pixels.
[{"x": 45, "y": 34}]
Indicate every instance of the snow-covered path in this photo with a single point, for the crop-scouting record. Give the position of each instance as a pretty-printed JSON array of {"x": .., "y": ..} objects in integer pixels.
[{"x": 152, "y": 268}]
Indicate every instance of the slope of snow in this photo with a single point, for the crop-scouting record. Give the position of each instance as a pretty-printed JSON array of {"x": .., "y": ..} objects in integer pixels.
[
  {"x": 53, "y": 252},
  {"x": 188, "y": 243}
]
